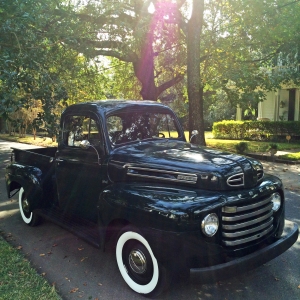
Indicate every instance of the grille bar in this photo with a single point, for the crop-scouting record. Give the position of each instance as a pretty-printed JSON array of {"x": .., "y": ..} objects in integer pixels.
[
  {"x": 248, "y": 239},
  {"x": 247, "y": 223},
  {"x": 248, "y": 215},
  {"x": 246, "y": 207},
  {"x": 248, "y": 231}
]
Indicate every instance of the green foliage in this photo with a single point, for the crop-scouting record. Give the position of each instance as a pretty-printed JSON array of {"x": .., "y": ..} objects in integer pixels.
[
  {"x": 241, "y": 147},
  {"x": 123, "y": 83},
  {"x": 273, "y": 146},
  {"x": 37, "y": 62},
  {"x": 47, "y": 48},
  {"x": 290, "y": 156},
  {"x": 256, "y": 130},
  {"x": 218, "y": 107}
]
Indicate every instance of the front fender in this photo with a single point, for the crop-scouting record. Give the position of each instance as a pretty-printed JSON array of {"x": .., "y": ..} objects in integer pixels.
[
  {"x": 165, "y": 216},
  {"x": 28, "y": 177},
  {"x": 157, "y": 207}
]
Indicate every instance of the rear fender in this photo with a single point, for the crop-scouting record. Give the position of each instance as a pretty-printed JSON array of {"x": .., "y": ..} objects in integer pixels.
[{"x": 29, "y": 178}]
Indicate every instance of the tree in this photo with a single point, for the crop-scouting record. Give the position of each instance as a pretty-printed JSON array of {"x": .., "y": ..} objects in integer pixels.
[
  {"x": 36, "y": 64},
  {"x": 47, "y": 48},
  {"x": 195, "y": 86},
  {"x": 126, "y": 30}
]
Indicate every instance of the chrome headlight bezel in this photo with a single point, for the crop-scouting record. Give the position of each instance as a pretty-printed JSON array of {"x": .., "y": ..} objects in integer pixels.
[
  {"x": 277, "y": 201},
  {"x": 210, "y": 224}
]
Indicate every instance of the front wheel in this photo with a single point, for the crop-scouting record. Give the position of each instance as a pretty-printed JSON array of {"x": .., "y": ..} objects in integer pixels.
[
  {"x": 29, "y": 217},
  {"x": 138, "y": 265}
]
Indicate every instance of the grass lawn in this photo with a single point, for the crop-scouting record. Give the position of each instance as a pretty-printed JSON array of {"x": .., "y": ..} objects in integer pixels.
[
  {"x": 18, "y": 280},
  {"x": 39, "y": 141},
  {"x": 225, "y": 145}
]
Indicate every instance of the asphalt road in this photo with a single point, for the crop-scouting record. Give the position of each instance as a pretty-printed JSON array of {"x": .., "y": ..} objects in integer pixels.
[{"x": 80, "y": 271}]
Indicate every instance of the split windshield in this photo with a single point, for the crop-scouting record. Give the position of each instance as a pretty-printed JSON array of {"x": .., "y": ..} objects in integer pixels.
[{"x": 131, "y": 126}]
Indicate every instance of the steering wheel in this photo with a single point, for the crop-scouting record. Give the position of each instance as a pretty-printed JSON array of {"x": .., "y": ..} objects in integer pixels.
[{"x": 160, "y": 134}]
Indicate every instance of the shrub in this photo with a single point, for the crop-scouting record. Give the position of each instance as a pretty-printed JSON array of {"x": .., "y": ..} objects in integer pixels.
[
  {"x": 257, "y": 130},
  {"x": 241, "y": 147}
]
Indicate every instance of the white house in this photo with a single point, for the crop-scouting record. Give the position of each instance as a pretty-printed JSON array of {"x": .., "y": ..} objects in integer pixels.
[{"x": 280, "y": 105}]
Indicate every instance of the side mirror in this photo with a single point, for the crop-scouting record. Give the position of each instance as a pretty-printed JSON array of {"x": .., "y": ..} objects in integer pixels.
[
  {"x": 194, "y": 133},
  {"x": 85, "y": 144}
]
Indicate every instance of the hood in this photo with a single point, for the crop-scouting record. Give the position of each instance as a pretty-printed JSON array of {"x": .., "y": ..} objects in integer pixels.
[{"x": 181, "y": 163}]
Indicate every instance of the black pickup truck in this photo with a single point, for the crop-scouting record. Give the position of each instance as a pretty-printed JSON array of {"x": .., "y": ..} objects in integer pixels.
[{"x": 124, "y": 176}]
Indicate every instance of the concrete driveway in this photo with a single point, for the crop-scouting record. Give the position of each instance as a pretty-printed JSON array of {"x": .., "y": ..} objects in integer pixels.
[{"x": 80, "y": 271}]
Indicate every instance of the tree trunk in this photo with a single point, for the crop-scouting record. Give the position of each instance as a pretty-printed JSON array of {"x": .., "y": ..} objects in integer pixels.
[
  {"x": 195, "y": 88},
  {"x": 144, "y": 70}
]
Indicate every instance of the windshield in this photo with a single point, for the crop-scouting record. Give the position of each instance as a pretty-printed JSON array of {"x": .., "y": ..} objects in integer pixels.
[{"x": 136, "y": 125}]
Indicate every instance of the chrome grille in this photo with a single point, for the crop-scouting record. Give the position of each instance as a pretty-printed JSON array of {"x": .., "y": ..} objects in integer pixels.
[
  {"x": 243, "y": 224},
  {"x": 236, "y": 180}
]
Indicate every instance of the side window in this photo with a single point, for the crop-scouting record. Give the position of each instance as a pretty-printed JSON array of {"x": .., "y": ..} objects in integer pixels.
[{"x": 78, "y": 128}]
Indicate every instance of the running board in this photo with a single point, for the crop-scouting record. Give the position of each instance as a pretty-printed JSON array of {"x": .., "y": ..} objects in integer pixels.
[{"x": 85, "y": 230}]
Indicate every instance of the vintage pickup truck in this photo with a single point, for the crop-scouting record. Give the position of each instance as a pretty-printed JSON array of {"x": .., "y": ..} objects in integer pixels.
[{"x": 124, "y": 176}]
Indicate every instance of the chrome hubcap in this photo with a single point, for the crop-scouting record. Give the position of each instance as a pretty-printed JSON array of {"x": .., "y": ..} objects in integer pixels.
[
  {"x": 25, "y": 205},
  {"x": 137, "y": 261}
]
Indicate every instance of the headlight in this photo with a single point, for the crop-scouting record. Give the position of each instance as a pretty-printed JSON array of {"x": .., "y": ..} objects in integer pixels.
[
  {"x": 276, "y": 199},
  {"x": 210, "y": 225}
]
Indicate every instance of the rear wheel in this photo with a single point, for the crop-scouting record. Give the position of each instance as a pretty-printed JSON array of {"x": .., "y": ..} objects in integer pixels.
[
  {"x": 29, "y": 217},
  {"x": 138, "y": 265}
]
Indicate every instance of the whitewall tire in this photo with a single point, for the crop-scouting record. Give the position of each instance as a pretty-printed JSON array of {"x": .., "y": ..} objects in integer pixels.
[
  {"x": 29, "y": 217},
  {"x": 138, "y": 265}
]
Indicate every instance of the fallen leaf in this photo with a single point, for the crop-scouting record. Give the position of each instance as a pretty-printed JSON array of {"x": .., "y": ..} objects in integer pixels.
[
  {"x": 299, "y": 286},
  {"x": 49, "y": 252},
  {"x": 277, "y": 279},
  {"x": 85, "y": 284},
  {"x": 43, "y": 274},
  {"x": 80, "y": 249},
  {"x": 101, "y": 284},
  {"x": 54, "y": 245},
  {"x": 19, "y": 247},
  {"x": 42, "y": 254},
  {"x": 84, "y": 258},
  {"x": 74, "y": 290}
]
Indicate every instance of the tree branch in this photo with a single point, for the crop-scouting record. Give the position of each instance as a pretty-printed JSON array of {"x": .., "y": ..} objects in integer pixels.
[{"x": 169, "y": 83}]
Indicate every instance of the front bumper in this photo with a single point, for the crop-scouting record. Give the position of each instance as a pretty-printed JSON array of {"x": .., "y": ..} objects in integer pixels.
[{"x": 248, "y": 262}]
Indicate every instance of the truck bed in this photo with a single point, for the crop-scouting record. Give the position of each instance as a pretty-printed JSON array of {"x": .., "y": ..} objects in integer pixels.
[{"x": 38, "y": 157}]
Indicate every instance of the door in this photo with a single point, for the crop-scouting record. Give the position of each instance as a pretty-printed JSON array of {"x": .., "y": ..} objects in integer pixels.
[
  {"x": 80, "y": 175},
  {"x": 292, "y": 99}
]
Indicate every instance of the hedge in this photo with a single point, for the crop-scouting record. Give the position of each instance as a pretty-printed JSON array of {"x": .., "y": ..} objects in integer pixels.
[{"x": 256, "y": 130}]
